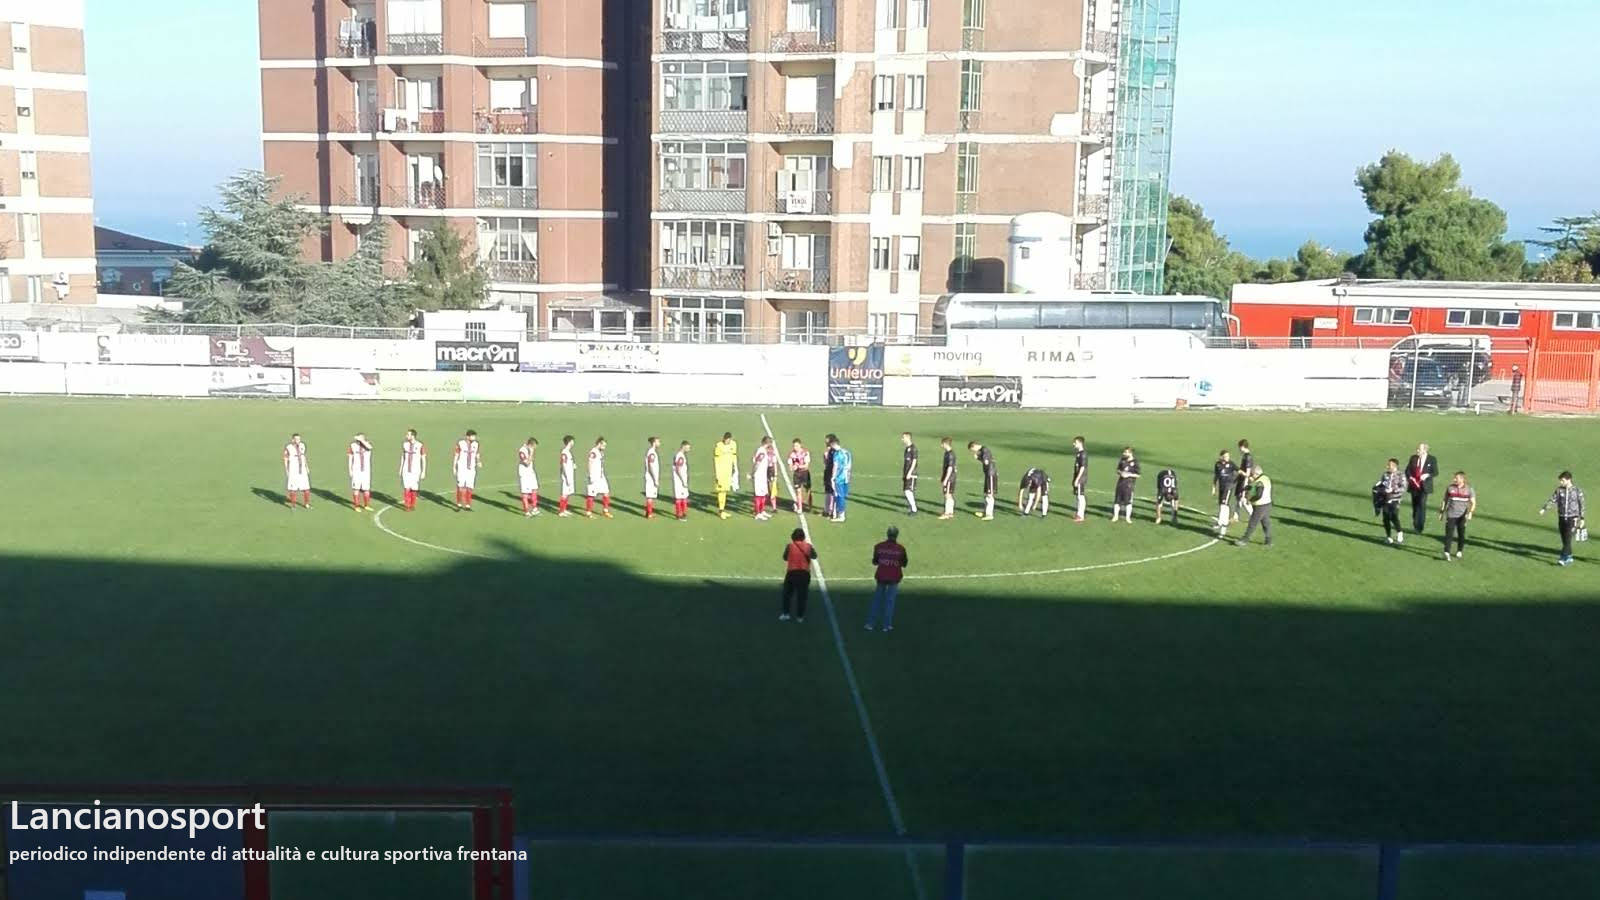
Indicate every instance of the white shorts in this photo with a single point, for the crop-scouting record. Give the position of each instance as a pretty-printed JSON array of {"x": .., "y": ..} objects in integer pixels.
[
  {"x": 567, "y": 487},
  {"x": 599, "y": 487},
  {"x": 361, "y": 481},
  {"x": 528, "y": 481},
  {"x": 652, "y": 489},
  {"x": 761, "y": 486},
  {"x": 300, "y": 482},
  {"x": 411, "y": 481},
  {"x": 680, "y": 491},
  {"x": 466, "y": 478}
]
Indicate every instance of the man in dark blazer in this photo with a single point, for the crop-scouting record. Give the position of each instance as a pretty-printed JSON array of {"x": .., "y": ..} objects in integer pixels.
[{"x": 1421, "y": 471}]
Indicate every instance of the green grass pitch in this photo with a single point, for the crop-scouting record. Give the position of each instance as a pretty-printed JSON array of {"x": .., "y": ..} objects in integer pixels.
[{"x": 164, "y": 618}]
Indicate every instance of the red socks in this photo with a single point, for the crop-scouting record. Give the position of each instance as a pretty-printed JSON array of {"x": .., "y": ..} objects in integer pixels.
[
  {"x": 761, "y": 504},
  {"x": 649, "y": 508},
  {"x": 563, "y": 505},
  {"x": 468, "y": 492},
  {"x": 588, "y": 504},
  {"x": 605, "y": 502},
  {"x": 410, "y": 500},
  {"x": 533, "y": 500}
]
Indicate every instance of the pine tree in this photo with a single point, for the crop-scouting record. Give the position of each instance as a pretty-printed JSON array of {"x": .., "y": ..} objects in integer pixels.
[{"x": 445, "y": 274}]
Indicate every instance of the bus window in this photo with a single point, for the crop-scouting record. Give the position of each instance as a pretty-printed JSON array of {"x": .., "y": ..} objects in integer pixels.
[
  {"x": 1105, "y": 315},
  {"x": 1016, "y": 315},
  {"x": 1192, "y": 316},
  {"x": 1149, "y": 315},
  {"x": 1061, "y": 315},
  {"x": 971, "y": 315}
]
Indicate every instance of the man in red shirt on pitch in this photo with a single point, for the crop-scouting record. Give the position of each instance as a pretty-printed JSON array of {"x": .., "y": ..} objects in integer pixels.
[{"x": 890, "y": 559}]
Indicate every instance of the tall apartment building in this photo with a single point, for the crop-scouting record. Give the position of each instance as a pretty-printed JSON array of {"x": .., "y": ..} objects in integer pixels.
[
  {"x": 492, "y": 115},
  {"x": 840, "y": 164},
  {"x": 47, "y": 252}
]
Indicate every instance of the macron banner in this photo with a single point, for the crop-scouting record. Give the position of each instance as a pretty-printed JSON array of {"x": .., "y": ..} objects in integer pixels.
[
  {"x": 855, "y": 375},
  {"x": 476, "y": 356},
  {"x": 981, "y": 393}
]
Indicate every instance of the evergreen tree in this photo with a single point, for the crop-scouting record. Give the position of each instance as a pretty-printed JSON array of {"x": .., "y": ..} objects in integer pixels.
[
  {"x": 445, "y": 273},
  {"x": 1431, "y": 227}
]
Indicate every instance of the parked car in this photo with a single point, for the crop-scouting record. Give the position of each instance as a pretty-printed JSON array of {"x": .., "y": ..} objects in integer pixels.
[
  {"x": 1421, "y": 380},
  {"x": 1465, "y": 357}
]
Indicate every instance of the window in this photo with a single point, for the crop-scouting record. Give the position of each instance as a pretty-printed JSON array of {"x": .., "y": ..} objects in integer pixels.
[
  {"x": 911, "y": 254},
  {"x": 706, "y": 15},
  {"x": 972, "y": 13},
  {"x": 916, "y": 91},
  {"x": 1382, "y": 315},
  {"x": 366, "y": 178},
  {"x": 966, "y": 250},
  {"x": 509, "y": 94},
  {"x": 110, "y": 279},
  {"x": 24, "y": 101},
  {"x": 967, "y": 168},
  {"x": 508, "y": 240},
  {"x": 36, "y": 288},
  {"x": 878, "y": 324},
  {"x": 881, "y": 261},
  {"x": 1483, "y": 318},
  {"x": 508, "y": 176},
  {"x": 888, "y": 13},
  {"x": 911, "y": 173},
  {"x": 714, "y": 166},
  {"x": 882, "y": 173},
  {"x": 30, "y": 227},
  {"x": 883, "y": 92},
  {"x": 415, "y": 17},
  {"x": 971, "y": 85},
  {"x": 1061, "y": 315},
  {"x": 418, "y": 93},
  {"x": 803, "y": 326},
  {"x": 1105, "y": 315},
  {"x": 796, "y": 251},
  {"x": 508, "y": 20},
  {"x": 916, "y": 13},
  {"x": 805, "y": 15},
  {"x": 703, "y": 319},
  {"x": 717, "y": 245},
  {"x": 906, "y": 325},
  {"x": 1578, "y": 321},
  {"x": 709, "y": 86},
  {"x": 28, "y": 162}
]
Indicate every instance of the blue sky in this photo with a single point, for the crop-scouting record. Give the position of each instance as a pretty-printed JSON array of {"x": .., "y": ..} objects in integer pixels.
[{"x": 1278, "y": 102}]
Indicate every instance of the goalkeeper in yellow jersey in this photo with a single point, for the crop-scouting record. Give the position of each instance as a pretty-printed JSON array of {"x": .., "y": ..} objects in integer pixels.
[{"x": 725, "y": 470}]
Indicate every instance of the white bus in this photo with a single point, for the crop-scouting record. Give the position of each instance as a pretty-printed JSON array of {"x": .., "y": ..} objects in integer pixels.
[{"x": 1007, "y": 321}]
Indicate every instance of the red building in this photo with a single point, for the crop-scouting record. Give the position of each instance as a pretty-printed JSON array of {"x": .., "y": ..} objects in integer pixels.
[{"x": 1537, "y": 314}]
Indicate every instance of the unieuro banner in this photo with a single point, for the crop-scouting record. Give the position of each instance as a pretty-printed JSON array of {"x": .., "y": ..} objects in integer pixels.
[
  {"x": 250, "y": 381},
  {"x": 22, "y": 346},
  {"x": 252, "y": 351},
  {"x": 476, "y": 356},
  {"x": 618, "y": 356},
  {"x": 855, "y": 375},
  {"x": 1004, "y": 393}
]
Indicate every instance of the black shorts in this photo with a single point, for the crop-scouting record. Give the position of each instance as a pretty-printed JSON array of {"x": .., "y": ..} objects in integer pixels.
[
  {"x": 1124, "y": 491},
  {"x": 802, "y": 479},
  {"x": 1167, "y": 498},
  {"x": 1078, "y": 489},
  {"x": 1225, "y": 495},
  {"x": 948, "y": 486},
  {"x": 910, "y": 482},
  {"x": 827, "y": 485},
  {"x": 990, "y": 483}
]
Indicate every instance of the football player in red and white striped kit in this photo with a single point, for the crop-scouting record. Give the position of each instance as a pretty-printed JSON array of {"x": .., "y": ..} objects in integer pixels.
[
  {"x": 413, "y": 468},
  {"x": 761, "y": 476},
  {"x": 359, "y": 459},
  {"x": 527, "y": 478},
  {"x": 800, "y": 471},
  {"x": 296, "y": 472},
  {"x": 466, "y": 462},
  {"x": 569, "y": 476},
  {"x": 598, "y": 485}
]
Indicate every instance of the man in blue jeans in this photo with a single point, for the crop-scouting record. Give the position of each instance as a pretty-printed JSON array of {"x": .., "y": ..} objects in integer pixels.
[{"x": 890, "y": 559}]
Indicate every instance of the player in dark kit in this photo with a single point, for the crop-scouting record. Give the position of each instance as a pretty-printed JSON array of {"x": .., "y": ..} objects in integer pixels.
[
  {"x": 947, "y": 479},
  {"x": 1034, "y": 491},
  {"x": 908, "y": 473},
  {"x": 1247, "y": 461},
  {"x": 1224, "y": 486},
  {"x": 828, "y": 445},
  {"x": 1167, "y": 494},
  {"x": 1080, "y": 477},
  {"x": 991, "y": 478},
  {"x": 1127, "y": 475}
]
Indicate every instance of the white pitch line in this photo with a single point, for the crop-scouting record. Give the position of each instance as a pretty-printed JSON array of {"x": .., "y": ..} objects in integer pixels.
[
  {"x": 895, "y": 818},
  {"x": 377, "y": 519}
]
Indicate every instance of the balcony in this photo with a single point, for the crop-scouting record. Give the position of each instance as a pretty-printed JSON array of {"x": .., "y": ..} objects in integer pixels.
[
  {"x": 968, "y": 120},
  {"x": 1089, "y": 281},
  {"x": 504, "y": 48},
  {"x": 726, "y": 40},
  {"x": 705, "y": 121},
  {"x": 1098, "y": 124},
  {"x": 416, "y": 44},
  {"x": 713, "y": 200},
  {"x": 519, "y": 271},
  {"x": 1102, "y": 42},
  {"x": 500, "y": 121},
  {"x": 357, "y": 123},
  {"x": 972, "y": 38},
  {"x": 412, "y": 121},
  {"x": 820, "y": 122},
  {"x": 1094, "y": 206},
  {"x": 416, "y": 196},
  {"x": 355, "y": 39},
  {"x": 358, "y": 195},
  {"x": 822, "y": 40},
  {"x": 799, "y": 281},
  {"x": 508, "y": 197},
  {"x": 803, "y": 202},
  {"x": 700, "y": 278}
]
